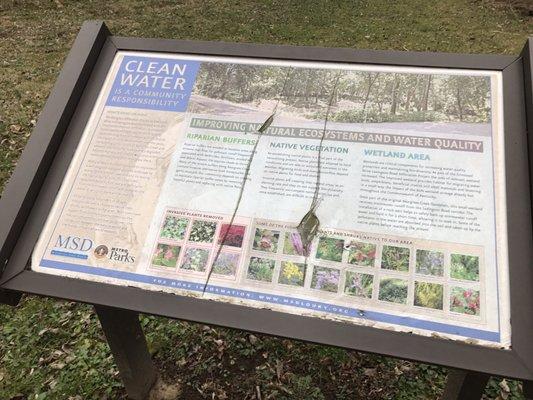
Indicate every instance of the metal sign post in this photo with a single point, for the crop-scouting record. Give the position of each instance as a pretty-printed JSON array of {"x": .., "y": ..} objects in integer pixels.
[{"x": 128, "y": 345}]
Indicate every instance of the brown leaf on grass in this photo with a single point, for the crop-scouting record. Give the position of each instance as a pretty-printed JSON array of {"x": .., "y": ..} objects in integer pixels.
[
  {"x": 15, "y": 128},
  {"x": 505, "y": 386},
  {"x": 57, "y": 354},
  {"x": 288, "y": 344},
  {"x": 65, "y": 348},
  {"x": 279, "y": 368},
  {"x": 222, "y": 395},
  {"x": 57, "y": 365},
  {"x": 326, "y": 361}
]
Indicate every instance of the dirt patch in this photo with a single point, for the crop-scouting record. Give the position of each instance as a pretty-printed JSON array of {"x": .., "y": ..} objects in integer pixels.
[
  {"x": 524, "y": 7},
  {"x": 165, "y": 391}
]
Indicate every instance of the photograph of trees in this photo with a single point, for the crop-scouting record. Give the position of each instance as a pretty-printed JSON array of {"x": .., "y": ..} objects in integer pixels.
[{"x": 360, "y": 96}]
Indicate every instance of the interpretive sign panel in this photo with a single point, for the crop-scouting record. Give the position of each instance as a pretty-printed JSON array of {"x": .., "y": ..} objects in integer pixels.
[{"x": 408, "y": 164}]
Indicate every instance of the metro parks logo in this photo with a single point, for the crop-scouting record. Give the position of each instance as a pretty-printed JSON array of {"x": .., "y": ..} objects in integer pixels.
[{"x": 80, "y": 248}]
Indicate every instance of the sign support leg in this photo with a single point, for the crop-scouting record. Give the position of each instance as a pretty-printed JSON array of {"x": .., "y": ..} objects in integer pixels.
[
  {"x": 528, "y": 390},
  {"x": 128, "y": 345},
  {"x": 10, "y": 298},
  {"x": 465, "y": 385}
]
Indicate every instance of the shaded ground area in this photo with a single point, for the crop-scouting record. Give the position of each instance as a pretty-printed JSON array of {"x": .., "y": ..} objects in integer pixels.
[
  {"x": 55, "y": 350},
  {"x": 524, "y": 7}
]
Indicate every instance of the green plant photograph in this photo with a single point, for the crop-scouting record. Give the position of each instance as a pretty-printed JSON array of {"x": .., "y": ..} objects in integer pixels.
[
  {"x": 292, "y": 273},
  {"x": 326, "y": 279},
  {"x": 360, "y": 253},
  {"x": 464, "y": 301},
  {"x": 266, "y": 240},
  {"x": 330, "y": 249},
  {"x": 395, "y": 258},
  {"x": 174, "y": 228},
  {"x": 261, "y": 269},
  {"x": 195, "y": 259},
  {"x": 166, "y": 255},
  {"x": 226, "y": 264},
  {"x": 359, "y": 284},
  {"x": 202, "y": 231},
  {"x": 429, "y": 295},
  {"x": 464, "y": 267},
  {"x": 430, "y": 262},
  {"x": 292, "y": 245},
  {"x": 393, "y": 290}
]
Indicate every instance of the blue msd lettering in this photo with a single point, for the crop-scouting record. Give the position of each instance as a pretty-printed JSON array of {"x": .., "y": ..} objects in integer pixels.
[
  {"x": 66, "y": 245},
  {"x": 74, "y": 243}
]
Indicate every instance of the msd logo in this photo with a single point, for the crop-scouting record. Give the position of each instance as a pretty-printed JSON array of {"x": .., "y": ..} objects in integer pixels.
[
  {"x": 74, "y": 243},
  {"x": 75, "y": 246}
]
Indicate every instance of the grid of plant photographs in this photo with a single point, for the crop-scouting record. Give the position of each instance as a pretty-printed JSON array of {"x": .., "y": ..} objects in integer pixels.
[
  {"x": 425, "y": 279},
  {"x": 337, "y": 266},
  {"x": 190, "y": 245}
]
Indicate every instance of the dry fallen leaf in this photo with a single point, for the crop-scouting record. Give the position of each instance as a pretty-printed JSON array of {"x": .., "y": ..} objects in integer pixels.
[
  {"x": 15, "y": 128},
  {"x": 279, "y": 368},
  {"x": 57, "y": 365},
  {"x": 505, "y": 386}
]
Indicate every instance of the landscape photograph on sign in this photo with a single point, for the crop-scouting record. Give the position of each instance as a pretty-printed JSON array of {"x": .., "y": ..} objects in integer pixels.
[{"x": 194, "y": 175}]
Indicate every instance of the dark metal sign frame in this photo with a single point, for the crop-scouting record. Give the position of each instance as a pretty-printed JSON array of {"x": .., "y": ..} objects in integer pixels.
[{"x": 31, "y": 191}]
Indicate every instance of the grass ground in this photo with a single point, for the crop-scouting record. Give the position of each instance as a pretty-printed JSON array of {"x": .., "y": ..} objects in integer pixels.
[{"x": 55, "y": 350}]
